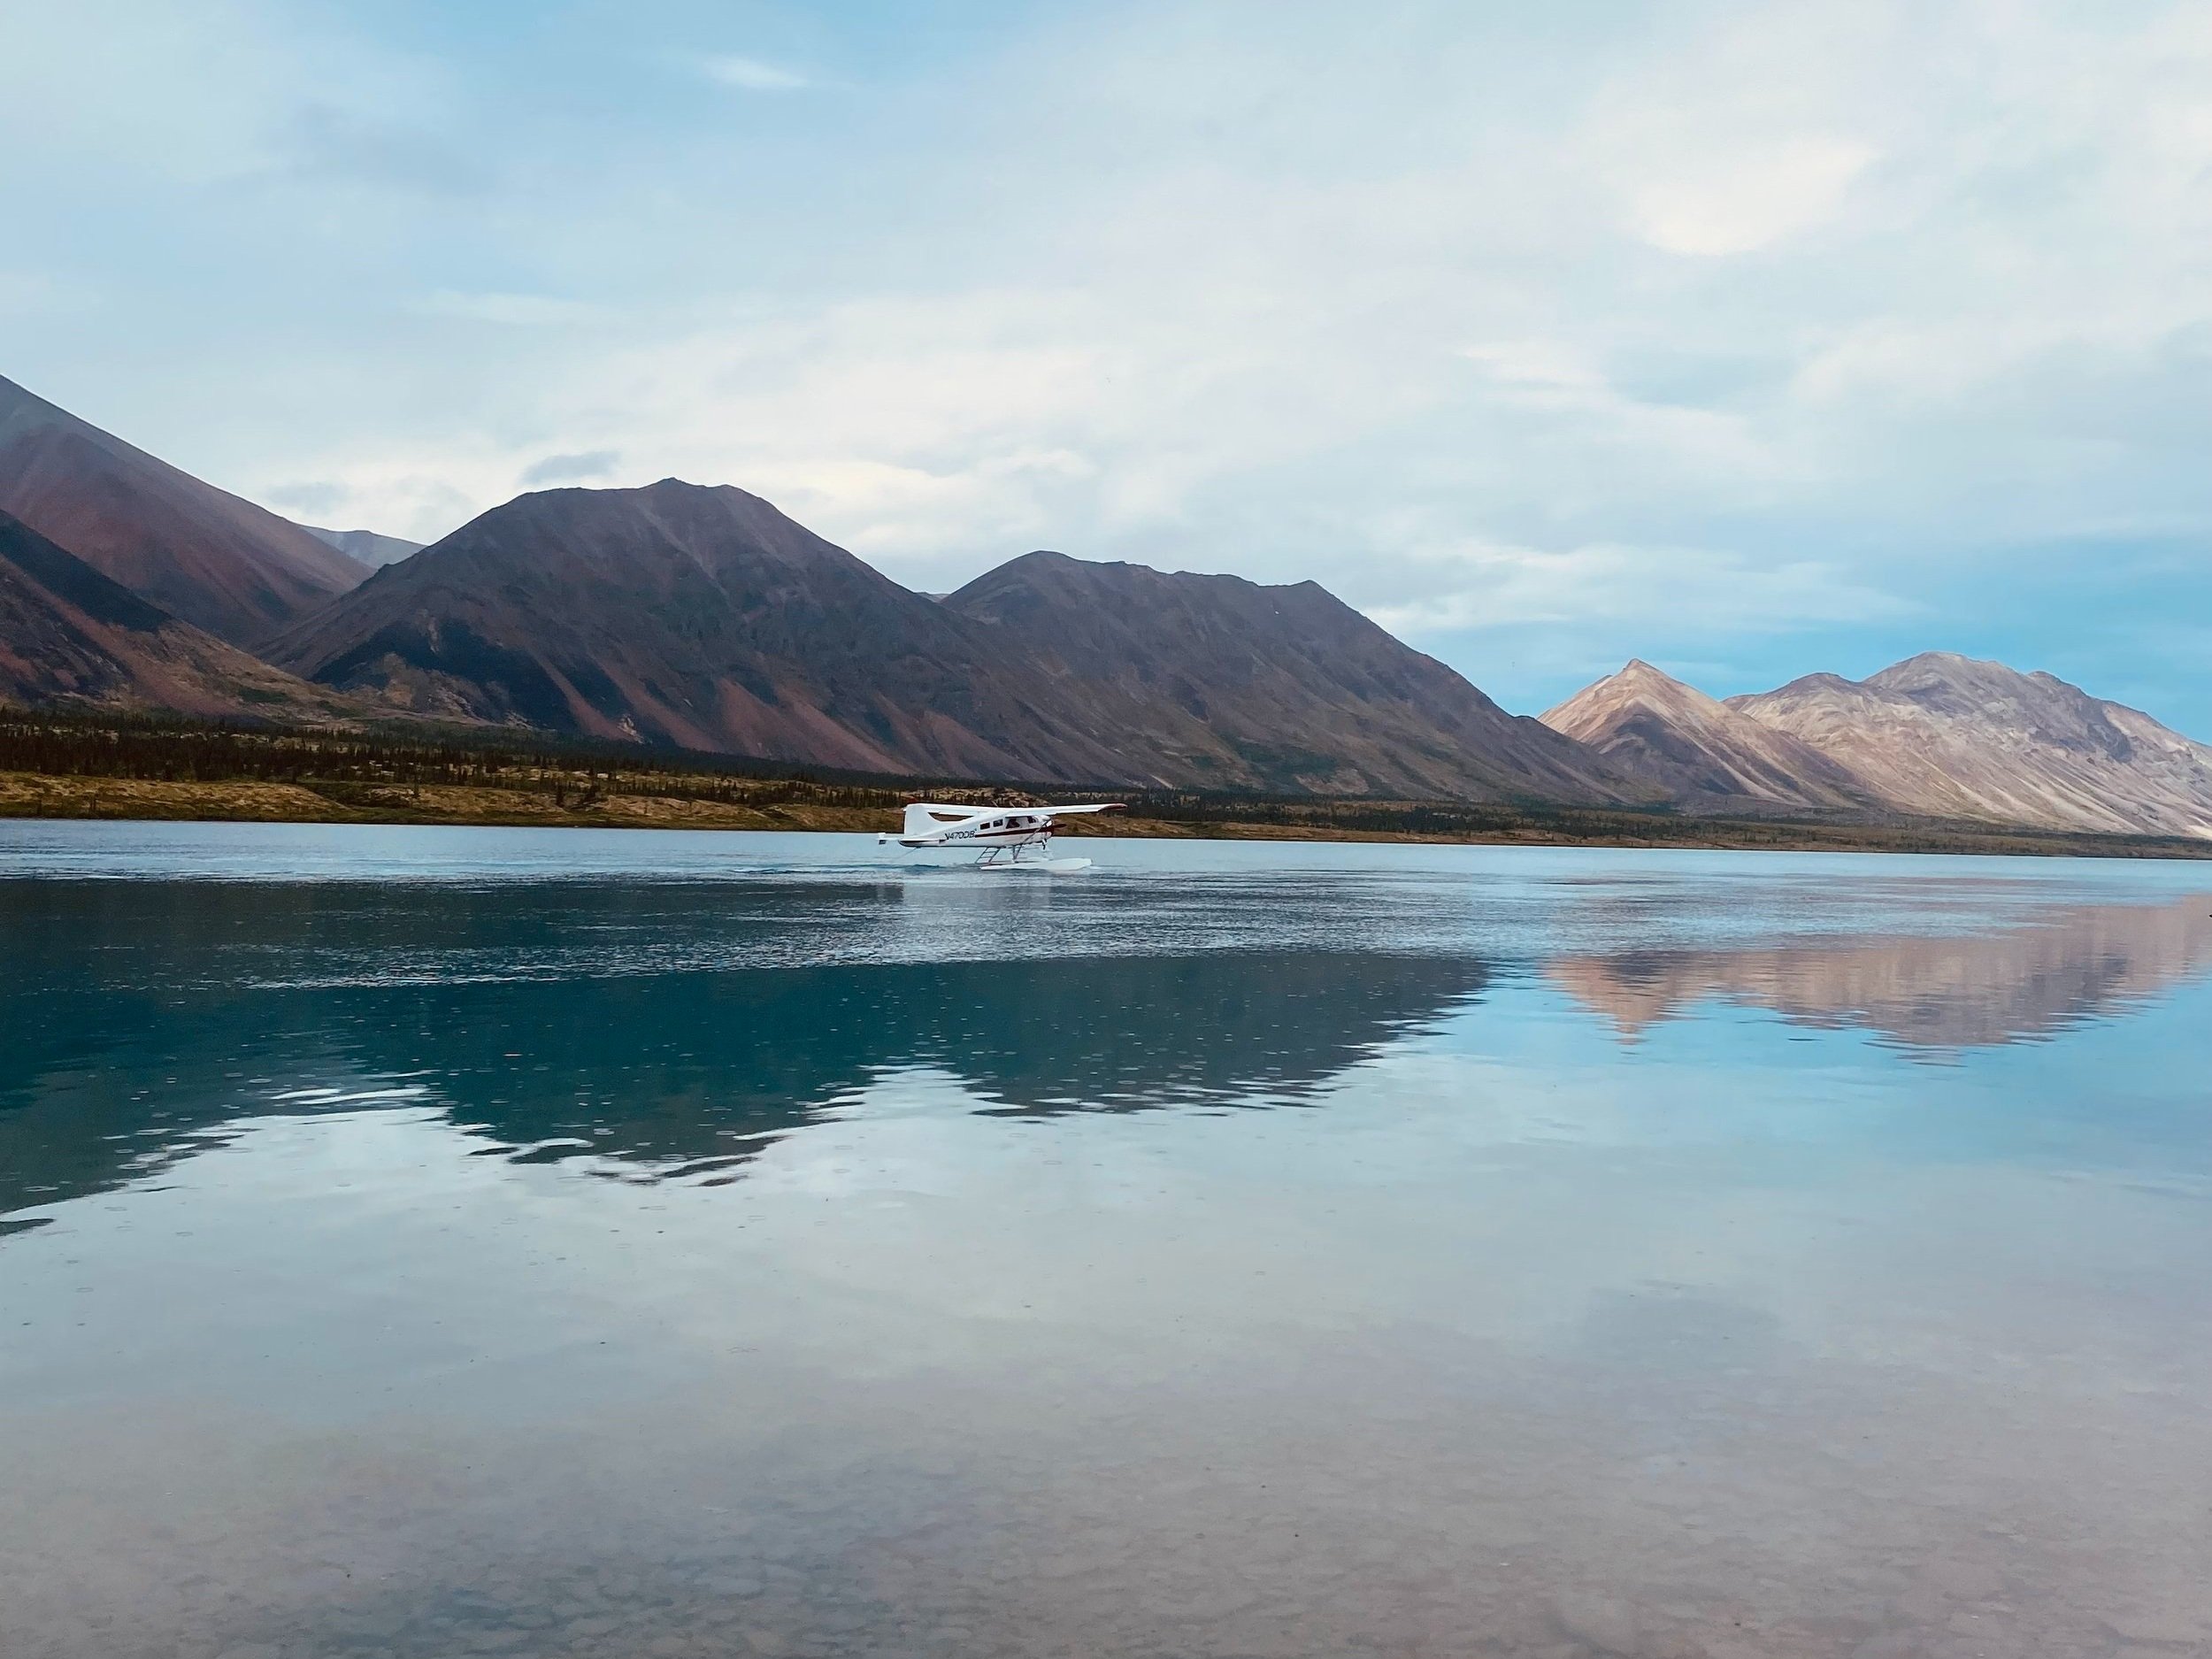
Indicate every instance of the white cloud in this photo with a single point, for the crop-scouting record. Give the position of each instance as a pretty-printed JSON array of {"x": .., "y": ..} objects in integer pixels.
[
  {"x": 1740, "y": 202},
  {"x": 751, "y": 74},
  {"x": 1552, "y": 387},
  {"x": 1755, "y": 129},
  {"x": 421, "y": 495},
  {"x": 1475, "y": 586}
]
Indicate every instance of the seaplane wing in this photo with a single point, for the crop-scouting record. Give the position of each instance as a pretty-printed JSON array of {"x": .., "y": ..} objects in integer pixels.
[{"x": 929, "y": 824}]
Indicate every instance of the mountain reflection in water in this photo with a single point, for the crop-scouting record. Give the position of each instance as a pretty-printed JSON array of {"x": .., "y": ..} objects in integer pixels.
[
  {"x": 677, "y": 1073},
  {"x": 2054, "y": 971},
  {"x": 630, "y": 1030}
]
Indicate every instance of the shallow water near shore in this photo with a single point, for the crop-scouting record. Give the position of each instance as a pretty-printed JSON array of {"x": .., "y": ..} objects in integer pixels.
[{"x": 431, "y": 1242}]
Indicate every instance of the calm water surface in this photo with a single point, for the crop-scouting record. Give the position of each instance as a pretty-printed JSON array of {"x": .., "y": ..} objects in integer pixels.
[{"x": 420, "y": 1242}]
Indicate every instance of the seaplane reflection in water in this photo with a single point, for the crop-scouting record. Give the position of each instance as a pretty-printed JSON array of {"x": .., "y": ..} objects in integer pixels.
[{"x": 1006, "y": 837}]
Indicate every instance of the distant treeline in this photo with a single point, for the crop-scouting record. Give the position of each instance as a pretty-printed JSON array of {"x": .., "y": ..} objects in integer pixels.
[
  {"x": 357, "y": 767},
  {"x": 167, "y": 747}
]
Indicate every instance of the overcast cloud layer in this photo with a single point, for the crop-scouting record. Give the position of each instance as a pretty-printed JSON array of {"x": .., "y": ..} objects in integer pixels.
[{"x": 1750, "y": 339}]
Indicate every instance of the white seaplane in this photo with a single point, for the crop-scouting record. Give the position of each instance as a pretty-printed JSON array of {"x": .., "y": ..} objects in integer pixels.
[{"x": 1008, "y": 837}]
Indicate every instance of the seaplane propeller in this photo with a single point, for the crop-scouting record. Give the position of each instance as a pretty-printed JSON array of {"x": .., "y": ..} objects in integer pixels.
[{"x": 1004, "y": 836}]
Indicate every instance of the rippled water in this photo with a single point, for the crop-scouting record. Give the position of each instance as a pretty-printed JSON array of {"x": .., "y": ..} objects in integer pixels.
[{"x": 420, "y": 1242}]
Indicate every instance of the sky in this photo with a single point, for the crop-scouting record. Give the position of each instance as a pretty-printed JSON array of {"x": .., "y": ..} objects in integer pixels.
[{"x": 1754, "y": 339}]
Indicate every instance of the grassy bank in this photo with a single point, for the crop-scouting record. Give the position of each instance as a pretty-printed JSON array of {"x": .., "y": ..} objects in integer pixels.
[{"x": 83, "y": 766}]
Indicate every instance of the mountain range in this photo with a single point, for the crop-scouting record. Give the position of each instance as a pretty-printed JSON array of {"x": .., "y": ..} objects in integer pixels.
[
  {"x": 1936, "y": 736},
  {"x": 705, "y": 619},
  {"x": 702, "y": 617},
  {"x": 366, "y": 547},
  {"x": 1697, "y": 751},
  {"x": 203, "y": 555}
]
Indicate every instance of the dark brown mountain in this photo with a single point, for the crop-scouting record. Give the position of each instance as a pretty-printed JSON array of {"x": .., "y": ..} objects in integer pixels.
[
  {"x": 1216, "y": 682},
  {"x": 705, "y": 617},
  {"x": 692, "y": 615},
  {"x": 199, "y": 553},
  {"x": 70, "y": 636},
  {"x": 1700, "y": 751}
]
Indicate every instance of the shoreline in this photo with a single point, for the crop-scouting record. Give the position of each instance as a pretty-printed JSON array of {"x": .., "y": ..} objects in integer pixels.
[{"x": 36, "y": 795}]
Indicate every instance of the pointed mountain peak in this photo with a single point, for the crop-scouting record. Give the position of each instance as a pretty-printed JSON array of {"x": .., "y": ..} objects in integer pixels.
[
  {"x": 1638, "y": 673},
  {"x": 1695, "y": 747},
  {"x": 1636, "y": 683}
]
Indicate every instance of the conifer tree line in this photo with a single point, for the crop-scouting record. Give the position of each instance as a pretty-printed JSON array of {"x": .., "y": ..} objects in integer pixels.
[
  {"x": 170, "y": 749},
  {"x": 576, "y": 776}
]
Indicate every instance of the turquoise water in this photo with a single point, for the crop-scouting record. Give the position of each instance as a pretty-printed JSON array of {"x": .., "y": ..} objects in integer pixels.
[{"x": 422, "y": 1242}]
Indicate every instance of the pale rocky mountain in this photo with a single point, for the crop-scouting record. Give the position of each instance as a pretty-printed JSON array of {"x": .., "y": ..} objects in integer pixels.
[
  {"x": 2057, "y": 967},
  {"x": 1937, "y": 736},
  {"x": 367, "y": 546},
  {"x": 1945, "y": 736},
  {"x": 69, "y": 637},
  {"x": 201, "y": 554},
  {"x": 1697, "y": 750}
]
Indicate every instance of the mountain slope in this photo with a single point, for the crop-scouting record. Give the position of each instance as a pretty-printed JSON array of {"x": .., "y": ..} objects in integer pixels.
[
  {"x": 68, "y": 635},
  {"x": 692, "y": 615},
  {"x": 1948, "y": 736},
  {"x": 203, "y": 555},
  {"x": 1698, "y": 749},
  {"x": 366, "y": 547},
  {"x": 1214, "y": 681},
  {"x": 705, "y": 619}
]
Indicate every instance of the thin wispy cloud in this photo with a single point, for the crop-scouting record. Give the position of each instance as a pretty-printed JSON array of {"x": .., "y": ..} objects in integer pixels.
[
  {"x": 1716, "y": 593},
  {"x": 751, "y": 74},
  {"x": 579, "y": 468}
]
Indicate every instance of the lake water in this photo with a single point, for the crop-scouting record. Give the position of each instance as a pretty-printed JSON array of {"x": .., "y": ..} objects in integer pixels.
[{"x": 422, "y": 1242}]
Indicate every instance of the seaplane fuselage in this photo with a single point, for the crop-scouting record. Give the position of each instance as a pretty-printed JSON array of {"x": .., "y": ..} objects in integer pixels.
[{"x": 989, "y": 830}]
